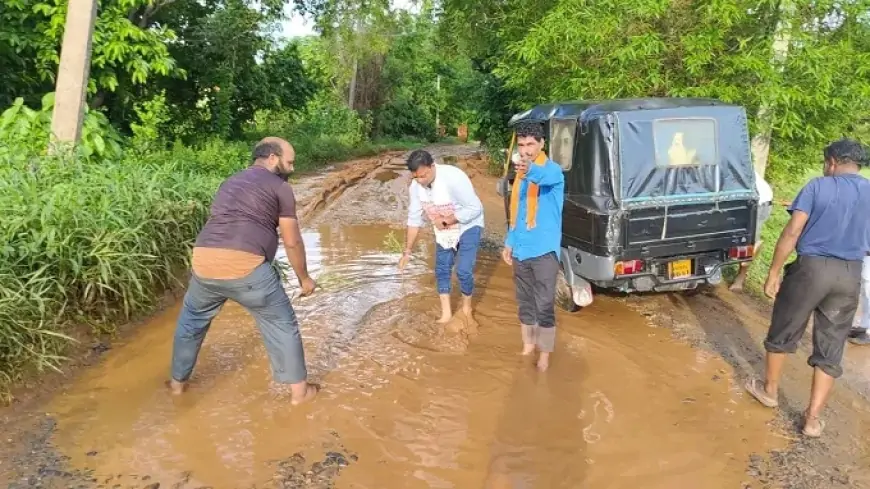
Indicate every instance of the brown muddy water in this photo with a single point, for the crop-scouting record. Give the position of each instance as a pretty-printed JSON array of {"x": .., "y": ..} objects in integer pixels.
[
  {"x": 403, "y": 405},
  {"x": 623, "y": 406}
]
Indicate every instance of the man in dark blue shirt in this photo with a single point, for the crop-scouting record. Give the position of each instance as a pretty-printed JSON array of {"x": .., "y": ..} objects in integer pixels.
[{"x": 830, "y": 232}]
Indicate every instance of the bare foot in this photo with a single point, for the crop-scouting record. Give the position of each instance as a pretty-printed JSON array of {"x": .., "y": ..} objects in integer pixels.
[
  {"x": 446, "y": 309},
  {"x": 528, "y": 349},
  {"x": 445, "y": 318},
  {"x": 310, "y": 393},
  {"x": 543, "y": 362},
  {"x": 456, "y": 324},
  {"x": 175, "y": 387},
  {"x": 737, "y": 286}
]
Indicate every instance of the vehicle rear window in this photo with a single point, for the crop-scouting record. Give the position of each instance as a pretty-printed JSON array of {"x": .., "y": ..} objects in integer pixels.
[
  {"x": 562, "y": 134},
  {"x": 682, "y": 142},
  {"x": 683, "y": 153}
]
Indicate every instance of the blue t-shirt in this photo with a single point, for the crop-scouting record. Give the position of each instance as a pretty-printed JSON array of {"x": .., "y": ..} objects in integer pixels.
[
  {"x": 546, "y": 236},
  {"x": 839, "y": 217}
]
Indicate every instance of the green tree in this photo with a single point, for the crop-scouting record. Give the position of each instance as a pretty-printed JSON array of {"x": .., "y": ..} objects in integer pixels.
[
  {"x": 545, "y": 50},
  {"x": 31, "y": 32}
]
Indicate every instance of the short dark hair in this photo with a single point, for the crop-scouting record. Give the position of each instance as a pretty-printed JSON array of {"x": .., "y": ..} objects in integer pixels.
[
  {"x": 419, "y": 158},
  {"x": 266, "y": 149},
  {"x": 847, "y": 151},
  {"x": 530, "y": 129}
]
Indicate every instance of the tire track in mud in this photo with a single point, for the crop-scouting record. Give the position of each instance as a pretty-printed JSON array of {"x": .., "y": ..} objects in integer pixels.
[
  {"x": 723, "y": 324},
  {"x": 336, "y": 183}
]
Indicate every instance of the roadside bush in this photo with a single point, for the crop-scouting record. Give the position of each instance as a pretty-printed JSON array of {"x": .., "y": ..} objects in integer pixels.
[
  {"x": 404, "y": 117},
  {"x": 90, "y": 242},
  {"x": 24, "y": 132},
  {"x": 324, "y": 130}
]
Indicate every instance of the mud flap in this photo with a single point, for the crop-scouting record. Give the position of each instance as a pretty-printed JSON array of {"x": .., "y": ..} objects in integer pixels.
[
  {"x": 572, "y": 291},
  {"x": 581, "y": 291}
]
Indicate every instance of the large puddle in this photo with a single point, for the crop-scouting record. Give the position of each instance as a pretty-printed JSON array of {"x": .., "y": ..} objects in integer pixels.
[{"x": 623, "y": 406}]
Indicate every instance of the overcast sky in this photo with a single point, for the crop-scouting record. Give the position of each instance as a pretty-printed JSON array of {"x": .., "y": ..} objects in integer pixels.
[{"x": 299, "y": 26}]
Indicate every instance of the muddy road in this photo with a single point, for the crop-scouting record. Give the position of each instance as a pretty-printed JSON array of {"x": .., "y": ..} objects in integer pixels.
[{"x": 643, "y": 391}]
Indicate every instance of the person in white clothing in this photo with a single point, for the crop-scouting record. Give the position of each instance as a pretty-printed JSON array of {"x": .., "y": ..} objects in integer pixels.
[
  {"x": 444, "y": 194},
  {"x": 765, "y": 205},
  {"x": 859, "y": 335}
]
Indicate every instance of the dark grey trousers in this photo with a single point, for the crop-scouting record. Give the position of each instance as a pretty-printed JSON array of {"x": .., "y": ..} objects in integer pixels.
[
  {"x": 535, "y": 281},
  {"x": 826, "y": 287},
  {"x": 262, "y": 294}
]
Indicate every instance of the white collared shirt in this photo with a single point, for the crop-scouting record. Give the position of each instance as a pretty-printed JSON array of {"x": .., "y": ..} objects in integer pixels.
[{"x": 451, "y": 192}]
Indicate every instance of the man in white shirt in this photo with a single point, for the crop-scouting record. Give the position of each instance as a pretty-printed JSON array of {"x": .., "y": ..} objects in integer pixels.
[
  {"x": 860, "y": 335},
  {"x": 444, "y": 194},
  {"x": 765, "y": 203}
]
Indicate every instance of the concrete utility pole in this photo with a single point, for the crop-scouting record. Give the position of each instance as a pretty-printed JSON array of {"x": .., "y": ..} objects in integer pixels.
[{"x": 72, "y": 75}]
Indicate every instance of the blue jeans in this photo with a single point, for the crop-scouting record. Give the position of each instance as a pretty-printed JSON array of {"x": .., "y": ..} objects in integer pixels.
[
  {"x": 465, "y": 256},
  {"x": 263, "y": 295}
]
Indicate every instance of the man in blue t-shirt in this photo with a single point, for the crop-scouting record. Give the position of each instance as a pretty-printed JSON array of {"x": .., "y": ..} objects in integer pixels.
[{"x": 830, "y": 231}]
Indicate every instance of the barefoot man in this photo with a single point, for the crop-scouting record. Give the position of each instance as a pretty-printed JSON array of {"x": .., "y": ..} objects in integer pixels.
[
  {"x": 830, "y": 231},
  {"x": 232, "y": 259},
  {"x": 445, "y": 195},
  {"x": 534, "y": 240}
]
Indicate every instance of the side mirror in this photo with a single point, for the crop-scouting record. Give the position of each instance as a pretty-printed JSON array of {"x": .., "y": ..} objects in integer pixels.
[{"x": 501, "y": 187}]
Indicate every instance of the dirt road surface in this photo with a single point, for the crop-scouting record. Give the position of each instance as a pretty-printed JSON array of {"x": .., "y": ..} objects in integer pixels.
[{"x": 643, "y": 391}]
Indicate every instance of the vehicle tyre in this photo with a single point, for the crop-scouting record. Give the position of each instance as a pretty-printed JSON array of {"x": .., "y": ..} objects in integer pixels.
[{"x": 564, "y": 297}]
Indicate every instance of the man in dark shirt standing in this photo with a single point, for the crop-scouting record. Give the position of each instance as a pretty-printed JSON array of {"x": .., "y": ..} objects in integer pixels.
[
  {"x": 830, "y": 231},
  {"x": 232, "y": 259}
]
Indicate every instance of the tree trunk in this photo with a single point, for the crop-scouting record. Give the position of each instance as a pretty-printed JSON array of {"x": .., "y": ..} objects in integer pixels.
[
  {"x": 351, "y": 93},
  {"x": 766, "y": 115}
]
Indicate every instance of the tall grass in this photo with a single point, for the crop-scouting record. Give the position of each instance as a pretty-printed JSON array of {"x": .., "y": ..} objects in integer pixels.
[{"x": 91, "y": 243}]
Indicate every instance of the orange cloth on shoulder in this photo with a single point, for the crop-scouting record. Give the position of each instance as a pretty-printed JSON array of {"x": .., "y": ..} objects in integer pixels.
[{"x": 531, "y": 196}]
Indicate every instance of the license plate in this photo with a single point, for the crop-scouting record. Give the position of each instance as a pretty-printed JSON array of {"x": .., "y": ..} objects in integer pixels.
[{"x": 680, "y": 269}]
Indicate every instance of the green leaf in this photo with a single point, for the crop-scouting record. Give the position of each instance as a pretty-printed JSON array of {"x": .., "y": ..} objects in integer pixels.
[{"x": 48, "y": 101}]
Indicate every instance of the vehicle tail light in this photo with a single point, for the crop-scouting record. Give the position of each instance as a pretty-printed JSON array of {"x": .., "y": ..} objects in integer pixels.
[
  {"x": 740, "y": 252},
  {"x": 628, "y": 267}
]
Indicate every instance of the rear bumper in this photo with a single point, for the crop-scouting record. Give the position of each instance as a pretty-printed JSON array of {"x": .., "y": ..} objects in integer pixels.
[
  {"x": 599, "y": 271},
  {"x": 653, "y": 282}
]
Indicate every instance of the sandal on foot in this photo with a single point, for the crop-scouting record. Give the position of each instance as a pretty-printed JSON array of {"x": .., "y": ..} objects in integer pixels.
[
  {"x": 756, "y": 388},
  {"x": 813, "y": 433}
]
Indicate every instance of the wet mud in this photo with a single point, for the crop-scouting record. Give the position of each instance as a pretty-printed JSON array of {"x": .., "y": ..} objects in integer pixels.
[{"x": 643, "y": 391}]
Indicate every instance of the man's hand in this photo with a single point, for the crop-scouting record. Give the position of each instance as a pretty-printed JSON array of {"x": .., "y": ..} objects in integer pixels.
[
  {"x": 506, "y": 255},
  {"x": 771, "y": 287},
  {"x": 444, "y": 221},
  {"x": 307, "y": 285},
  {"x": 403, "y": 261}
]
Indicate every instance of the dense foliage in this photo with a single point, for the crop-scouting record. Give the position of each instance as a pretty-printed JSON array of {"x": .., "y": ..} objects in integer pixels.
[{"x": 544, "y": 50}]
